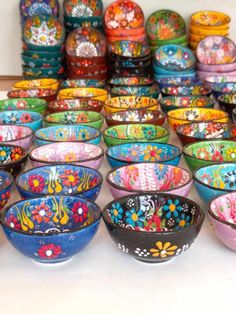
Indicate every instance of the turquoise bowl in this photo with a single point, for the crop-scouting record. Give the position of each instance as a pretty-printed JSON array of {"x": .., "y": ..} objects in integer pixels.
[
  {"x": 171, "y": 81},
  {"x": 39, "y": 63},
  {"x": 42, "y": 55},
  {"x": 215, "y": 180},
  {"x": 31, "y": 119},
  {"x": 129, "y": 153}
]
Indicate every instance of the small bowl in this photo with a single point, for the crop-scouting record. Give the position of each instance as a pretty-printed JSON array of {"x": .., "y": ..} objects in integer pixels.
[
  {"x": 30, "y": 119},
  {"x": 135, "y": 117},
  {"x": 29, "y": 104},
  {"x": 170, "y": 81},
  {"x": 31, "y": 63},
  {"x": 228, "y": 103},
  {"x": 210, "y": 20},
  {"x": 185, "y": 91},
  {"x": 67, "y": 133},
  {"x": 43, "y": 83},
  {"x": 44, "y": 55},
  {"x": 175, "y": 102},
  {"x": 83, "y": 92},
  {"x": 202, "y": 131},
  {"x": 45, "y": 94},
  {"x": 16, "y": 135},
  {"x": 82, "y": 83},
  {"x": 12, "y": 159},
  {"x": 149, "y": 177},
  {"x": 215, "y": 180},
  {"x": 135, "y": 133},
  {"x": 6, "y": 184},
  {"x": 202, "y": 75},
  {"x": 221, "y": 215},
  {"x": 188, "y": 115},
  {"x": 214, "y": 81},
  {"x": 63, "y": 179},
  {"x": 131, "y": 81},
  {"x": 227, "y": 67},
  {"x": 125, "y": 154},
  {"x": 207, "y": 153},
  {"x": 51, "y": 229},
  {"x": 82, "y": 154},
  {"x": 224, "y": 88},
  {"x": 153, "y": 228},
  {"x": 75, "y": 104},
  {"x": 88, "y": 118},
  {"x": 148, "y": 91}
]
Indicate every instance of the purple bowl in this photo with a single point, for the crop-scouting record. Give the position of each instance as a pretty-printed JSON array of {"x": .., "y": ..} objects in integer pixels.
[
  {"x": 213, "y": 81},
  {"x": 217, "y": 68},
  {"x": 202, "y": 75},
  {"x": 16, "y": 135},
  {"x": 149, "y": 177}
]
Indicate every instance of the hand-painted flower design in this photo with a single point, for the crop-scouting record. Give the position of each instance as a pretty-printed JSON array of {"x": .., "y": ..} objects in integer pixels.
[
  {"x": 192, "y": 115},
  {"x": 70, "y": 157},
  {"x": 61, "y": 134},
  {"x": 172, "y": 208},
  {"x": 49, "y": 251},
  {"x": 41, "y": 213},
  {"x": 135, "y": 218},
  {"x": 12, "y": 118},
  {"x": 149, "y": 132},
  {"x": 217, "y": 156},
  {"x": 230, "y": 178},
  {"x": 116, "y": 212},
  {"x": 161, "y": 171},
  {"x": 203, "y": 153},
  {"x": 70, "y": 178},
  {"x": 231, "y": 154},
  {"x": 206, "y": 178},
  {"x": 82, "y": 117},
  {"x": 26, "y": 118},
  {"x": 13, "y": 222},
  {"x": 141, "y": 253},
  {"x": 5, "y": 152},
  {"x": 69, "y": 117},
  {"x": 147, "y": 116},
  {"x": 43, "y": 35},
  {"x": 16, "y": 153},
  {"x": 86, "y": 49},
  {"x": 183, "y": 221},
  {"x": 152, "y": 153},
  {"x": 132, "y": 117},
  {"x": 84, "y": 134},
  {"x": 80, "y": 212},
  {"x": 36, "y": 183},
  {"x": 163, "y": 250}
]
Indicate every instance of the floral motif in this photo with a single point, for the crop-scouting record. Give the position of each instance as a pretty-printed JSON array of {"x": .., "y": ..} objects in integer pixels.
[
  {"x": 12, "y": 118},
  {"x": 192, "y": 114},
  {"x": 86, "y": 50},
  {"x": 183, "y": 221},
  {"x": 231, "y": 154},
  {"x": 149, "y": 132},
  {"x": 36, "y": 183},
  {"x": 172, "y": 208},
  {"x": 230, "y": 178},
  {"x": 26, "y": 118},
  {"x": 80, "y": 212},
  {"x": 4, "y": 199},
  {"x": 206, "y": 178},
  {"x": 70, "y": 178},
  {"x": 82, "y": 117},
  {"x": 161, "y": 171},
  {"x": 135, "y": 218},
  {"x": 116, "y": 212},
  {"x": 70, "y": 157},
  {"x": 152, "y": 153},
  {"x": 84, "y": 134},
  {"x": 163, "y": 250},
  {"x": 13, "y": 222},
  {"x": 41, "y": 213},
  {"x": 203, "y": 153},
  {"x": 132, "y": 116},
  {"x": 16, "y": 153},
  {"x": 49, "y": 251},
  {"x": 69, "y": 117},
  {"x": 5, "y": 152},
  {"x": 142, "y": 253}
]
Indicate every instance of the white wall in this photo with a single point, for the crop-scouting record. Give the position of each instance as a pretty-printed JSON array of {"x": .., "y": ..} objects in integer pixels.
[{"x": 10, "y": 32}]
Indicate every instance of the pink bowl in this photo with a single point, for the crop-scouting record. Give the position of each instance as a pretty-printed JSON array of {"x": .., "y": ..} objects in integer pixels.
[
  {"x": 149, "y": 177},
  {"x": 203, "y": 75},
  {"x": 16, "y": 135},
  {"x": 83, "y": 154},
  {"x": 217, "y": 68},
  {"x": 212, "y": 81}
]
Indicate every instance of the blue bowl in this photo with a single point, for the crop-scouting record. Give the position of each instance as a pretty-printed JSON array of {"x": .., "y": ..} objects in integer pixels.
[
  {"x": 60, "y": 180},
  {"x": 67, "y": 133},
  {"x": 171, "y": 81},
  {"x": 6, "y": 184},
  {"x": 215, "y": 180},
  {"x": 51, "y": 229},
  {"x": 161, "y": 70},
  {"x": 224, "y": 88},
  {"x": 129, "y": 153},
  {"x": 31, "y": 119},
  {"x": 157, "y": 77}
]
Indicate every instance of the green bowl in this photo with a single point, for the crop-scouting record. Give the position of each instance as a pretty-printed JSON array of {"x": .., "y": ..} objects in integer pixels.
[
  {"x": 30, "y": 104},
  {"x": 52, "y": 56},
  {"x": 130, "y": 133},
  {"x": 88, "y": 118},
  {"x": 46, "y": 49},
  {"x": 43, "y": 72},
  {"x": 207, "y": 153},
  {"x": 39, "y": 63}
]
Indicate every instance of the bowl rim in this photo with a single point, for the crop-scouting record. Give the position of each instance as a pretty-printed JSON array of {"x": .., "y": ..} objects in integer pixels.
[
  {"x": 222, "y": 14},
  {"x": 100, "y": 155},
  {"x": 48, "y": 91},
  {"x": 5, "y": 210},
  {"x": 108, "y": 101},
  {"x": 178, "y": 153},
  {"x": 11, "y": 180},
  {"x": 41, "y": 102},
  {"x": 21, "y": 159},
  {"x": 189, "y": 87},
  {"x": 51, "y": 104},
  {"x": 118, "y": 187},
  {"x": 153, "y": 233},
  {"x": 207, "y": 98},
  {"x": 225, "y": 102},
  {"x": 101, "y": 92},
  {"x": 37, "y": 116},
  {"x": 50, "y": 82},
  {"x": 31, "y": 132},
  {"x": 19, "y": 187}
]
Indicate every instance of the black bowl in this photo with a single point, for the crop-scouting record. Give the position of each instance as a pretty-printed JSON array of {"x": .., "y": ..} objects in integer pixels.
[{"x": 227, "y": 102}]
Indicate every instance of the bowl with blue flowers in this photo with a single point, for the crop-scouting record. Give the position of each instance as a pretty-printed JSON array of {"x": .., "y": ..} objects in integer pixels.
[{"x": 30, "y": 119}]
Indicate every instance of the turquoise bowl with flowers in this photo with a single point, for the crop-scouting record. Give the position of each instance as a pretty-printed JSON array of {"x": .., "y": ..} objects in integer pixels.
[{"x": 31, "y": 119}]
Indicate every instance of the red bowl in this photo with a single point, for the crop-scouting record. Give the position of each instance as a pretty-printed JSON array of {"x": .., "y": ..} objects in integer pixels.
[
  {"x": 102, "y": 77},
  {"x": 75, "y": 104},
  {"x": 94, "y": 60},
  {"x": 45, "y": 94}
]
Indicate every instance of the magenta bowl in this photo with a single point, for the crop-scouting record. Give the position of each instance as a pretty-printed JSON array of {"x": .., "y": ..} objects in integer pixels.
[
  {"x": 221, "y": 68},
  {"x": 149, "y": 177},
  {"x": 16, "y": 135},
  {"x": 83, "y": 154},
  {"x": 222, "y": 216}
]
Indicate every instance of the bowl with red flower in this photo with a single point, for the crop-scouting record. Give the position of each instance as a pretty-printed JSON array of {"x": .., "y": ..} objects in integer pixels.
[
  {"x": 6, "y": 184},
  {"x": 30, "y": 119},
  {"x": 210, "y": 152},
  {"x": 16, "y": 135},
  {"x": 153, "y": 227},
  {"x": 75, "y": 104},
  {"x": 63, "y": 179},
  {"x": 196, "y": 90},
  {"x": 51, "y": 229},
  {"x": 45, "y": 94}
]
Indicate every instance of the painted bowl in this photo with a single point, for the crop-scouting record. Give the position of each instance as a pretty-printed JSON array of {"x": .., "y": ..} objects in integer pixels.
[
  {"x": 43, "y": 83},
  {"x": 210, "y": 152},
  {"x": 51, "y": 229},
  {"x": 188, "y": 115},
  {"x": 131, "y": 81},
  {"x": 82, "y": 154},
  {"x": 135, "y": 116},
  {"x": 214, "y": 81},
  {"x": 226, "y": 88},
  {"x": 179, "y": 81},
  {"x": 82, "y": 83},
  {"x": 175, "y": 102},
  {"x": 30, "y": 119},
  {"x": 125, "y": 154},
  {"x": 38, "y": 63},
  {"x": 67, "y": 133},
  {"x": 199, "y": 31},
  {"x": 129, "y": 48},
  {"x": 44, "y": 55},
  {"x": 75, "y": 104},
  {"x": 6, "y": 184},
  {"x": 148, "y": 91},
  {"x": 12, "y": 159},
  {"x": 226, "y": 67},
  {"x": 34, "y": 7},
  {"x": 222, "y": 219},
  {"x": 83, "y": 92},
  {"x": 29, "y": 104},
  {"x": 149, "y": 177},
  {"x": 45, "y": 94},
  {"x": 209, "y": 20},
  {"x": 228, "y": 103},
  {"x": 215, "y": 180},
  {"x": 47, "y": 72},
  {"x": 202, "y": 75},
  {"x": 16, "y": 135},
  {"x": 202, "y": 131},
  {"x": 63, "y": 179},
  {"x": 185, "y": 91},
  {"x": 88, "y": 118},
  {"x": 120, "y": 134},
  {"x": 78, "y": 9},
  {"x": 153, "y": 228}
]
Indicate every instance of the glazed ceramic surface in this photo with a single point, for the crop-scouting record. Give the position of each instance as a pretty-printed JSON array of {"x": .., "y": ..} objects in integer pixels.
[
  {"x": 228, "y": 103},
  {"x": 135, "y": 132},
  {"x": 35, "y": 7},
  {"x": 6, "y": 184},
  {"x": 128, "y": 48},
  {"x": 131, "y": 81},
  {"x": 214, "y": 81},
  {"x": 210, "y": 19},
  {"x": 30, "y": 119},
  {"x": 95, "y": 93},
  {"x": 221, "y": 68},
  {"x": 51, "y": 229},
  {"x": 129, "y": 153},
  {"x": 82, "y": 8},
  {"x": 43, "y": 83},
  {"x": 29, "y": 104},
  {"x": 83, "y": 154},
  {"x": 153, "y": 228},
  {"x": 75, "y": 104},
  {"x": 82, "y": 83},
  {"x": 47, "y": 94},
  {"x": 170, "y": 81},
  {"x": 185, "y": 91},
  {"x": 150, "y": 91},
  {"x": 130, "y": 102},
  {"x": 16, "y": 135}
]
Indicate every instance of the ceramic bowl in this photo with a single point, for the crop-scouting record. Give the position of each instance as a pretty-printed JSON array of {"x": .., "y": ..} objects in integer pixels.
[
  {"x": 170, "y": 81},
  {"x": 38, "y": 63},
  {"x": 197, "y": 30},
  {"x": 135, "y": 116},
  {"x": 63, "y": 179},
  {"x": 207, "y": 153},
  {"x": 43, "y": 83},
  {"x": 120, "y": 134},
  {"x": 12, "y": 159},
  {"x": 214, "y": 81},
  {"x": 82, "y": 83},
  {"x": 202, "y": 75},
  {"x": 30, "y": 119},
  {"x": 221, "y": 89},
  {"x": 125, "y": 154},
  {"x": 210, "y": 20},
  {"x": 75, "y": 104},
  {"x": 222, "y": 219},
  {"x": 95, "y": 93},
  {"x": 88, "y": 118},
  {"x": 82, "y": 154},
  {"x": 149, "y": 177},
  {"x": 29, "y": 104},
  {"x": 45, "y": 94},
  {"x": 129, "y": 48},
  {"x": 16, "y": 135},
  {"x": 67, "y": 133},
  {"x": 188, "y": 115},
  {"x": 227, "y": 67},
  {"x": 153, "y": 228},
  {"x": 185, "y": 91},
  {"x": 215, "y": 180},
  {"x": 30, "y": 72},
  {"x": 131, "y": 81},
  {"x": 33, "y": 7},
  {"x": 202, "y": 131},
  {"x": 228, "y": 103},
  {"x": 6, "y": 184},
  {"x": 51, "y": 229},
  {"x": 44, "y": 55},
  {"x": 148, "y": 91}
]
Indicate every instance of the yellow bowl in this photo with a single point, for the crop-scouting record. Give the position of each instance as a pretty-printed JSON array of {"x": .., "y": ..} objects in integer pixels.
[
  {"x": 44, "y": 83},
  {"x": 83, "y": 92},
  {"x": 210, "y": 20},
  {"x": 196, "y": 30},
  {"x": 187, "y": 115}
]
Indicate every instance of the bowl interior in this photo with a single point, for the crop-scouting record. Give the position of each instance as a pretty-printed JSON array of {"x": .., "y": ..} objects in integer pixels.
[
  {"x": 5, "y": 181},
  {"x": 11, "y": 154},
  {"x": 70, "y": 117},
  {"x": 14, "y": 132},
  {"x": 186, "y": 90},
  {"x": 22, "y": 103},
  {"x": 187, "y": 101},
  {"x": 223, "y": 208},
  {"x": 228, "y": 99},
  {"x": 19, "y": 117},
  {"x": 197, "y": 114},
  {"x": 131, "y": 102},
  {"x": 74, "y": 104},
  {"x": 31, "y": 93},
  {"x": 136, "y": 116}
]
